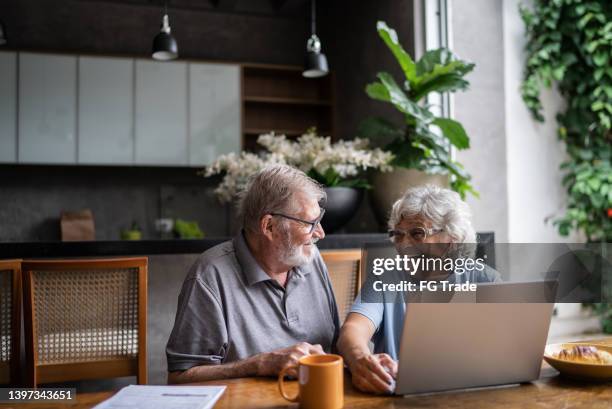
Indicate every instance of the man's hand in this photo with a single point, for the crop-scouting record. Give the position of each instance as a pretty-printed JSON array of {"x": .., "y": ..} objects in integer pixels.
[
  {"x": 271, "y": 363},
  {"x": 374, "y": 373}
]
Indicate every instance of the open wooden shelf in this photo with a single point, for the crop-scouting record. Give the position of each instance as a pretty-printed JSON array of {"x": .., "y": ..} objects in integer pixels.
[{"x": 280, "y": 99}]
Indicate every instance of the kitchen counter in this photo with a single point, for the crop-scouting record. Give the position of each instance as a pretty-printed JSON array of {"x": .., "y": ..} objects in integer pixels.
[{"x": 10, "y": 250}]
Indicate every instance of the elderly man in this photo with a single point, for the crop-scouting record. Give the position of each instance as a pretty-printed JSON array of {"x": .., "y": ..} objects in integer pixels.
[
  {"x": 258, "y": 303},
  {"x": 426, "y": 217}
]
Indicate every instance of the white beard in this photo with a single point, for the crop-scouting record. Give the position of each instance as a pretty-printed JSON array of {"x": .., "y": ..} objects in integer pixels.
[{"x": 293, "y": 254}]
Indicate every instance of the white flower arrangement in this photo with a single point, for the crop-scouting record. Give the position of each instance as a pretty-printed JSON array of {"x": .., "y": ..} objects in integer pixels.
[{"x": 343, "y": 163}]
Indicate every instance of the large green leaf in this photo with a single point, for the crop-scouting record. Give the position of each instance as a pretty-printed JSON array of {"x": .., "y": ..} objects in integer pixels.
[
  {"x": 442, "y": 83},
  {"x": 406, "y": 155},
  {"x": 454, "y": 167},
  {"x": 441, "y": 57},
  {"x": 439, "y": 68},
  {"x": 401, "y": 101},
  {"x": 377, "y": 90},
  {"x": 432, "y": 58},
  {"x": 389, "y": 36},
  {"x": 453, "y": 131},
  {"x": 379, "y": 130},
  {"x": 463, "y": 186},
  {"x": 439, "y": 155}
]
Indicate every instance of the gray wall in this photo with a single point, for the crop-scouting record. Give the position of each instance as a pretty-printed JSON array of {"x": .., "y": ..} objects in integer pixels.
[
  {"x": 477, "y": 36},
  {"x": 32, "y": 197},
  {"x": 166, "y": 275}
]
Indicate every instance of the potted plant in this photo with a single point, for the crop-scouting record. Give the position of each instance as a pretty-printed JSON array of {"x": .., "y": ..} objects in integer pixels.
[
  {"x": 133, "y": 233},
  {"x": 341, "y": 167},
  {"x": 421, "y": 143},
  {"x": 184, "y": 229}
]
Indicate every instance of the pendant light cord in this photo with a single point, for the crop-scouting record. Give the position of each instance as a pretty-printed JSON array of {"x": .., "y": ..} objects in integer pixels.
[{"x": 313, "y": 17}]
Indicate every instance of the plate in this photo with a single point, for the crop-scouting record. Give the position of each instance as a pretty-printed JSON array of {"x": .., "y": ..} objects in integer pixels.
[{"x": 580, "y": 370}]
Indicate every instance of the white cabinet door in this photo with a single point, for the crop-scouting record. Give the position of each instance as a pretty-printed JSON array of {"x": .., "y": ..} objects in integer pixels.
[
  {"x": 47, "y": 108},
  {"x": 161, "y": 113},
  {"x": 214, "y": 111},
  {"x": 106, "y": 114},
  {"x": 8, "y": 107}
]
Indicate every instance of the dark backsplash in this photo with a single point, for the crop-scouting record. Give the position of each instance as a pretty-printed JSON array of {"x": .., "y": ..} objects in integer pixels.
[{"x": 33, "y": 198}]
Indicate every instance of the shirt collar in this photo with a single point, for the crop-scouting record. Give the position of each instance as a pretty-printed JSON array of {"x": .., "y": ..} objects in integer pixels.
[{"x": 251, "y": 268}]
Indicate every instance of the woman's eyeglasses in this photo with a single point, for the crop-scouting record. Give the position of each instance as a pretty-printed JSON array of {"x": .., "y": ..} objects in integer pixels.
[
  {"x": 417, "y": 234},
  {"x": 313, "y": 224}
]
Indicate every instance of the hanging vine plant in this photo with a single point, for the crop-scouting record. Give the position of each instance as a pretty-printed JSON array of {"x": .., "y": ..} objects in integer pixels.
[{"x": 569, "y": 43}]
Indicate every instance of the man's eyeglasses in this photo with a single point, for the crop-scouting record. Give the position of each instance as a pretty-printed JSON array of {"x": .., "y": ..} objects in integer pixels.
[
  {"x": 313, "y": 224},
  {"x": 417, "y": 234}
]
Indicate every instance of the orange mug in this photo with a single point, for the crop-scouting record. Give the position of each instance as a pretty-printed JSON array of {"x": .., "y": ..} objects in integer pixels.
[{"x": 321, "y": 382}]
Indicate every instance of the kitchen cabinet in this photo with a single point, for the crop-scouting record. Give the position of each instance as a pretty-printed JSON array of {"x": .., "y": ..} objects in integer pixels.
[
  {"x": 47, "y": 108},
  {"x": 161, "y": 113},
  {"x": 214, "y": 111},
  {"x": 106, "y": 111},
  {"x": 95, "y": 110},
  {"x": 8, "y": 107}
]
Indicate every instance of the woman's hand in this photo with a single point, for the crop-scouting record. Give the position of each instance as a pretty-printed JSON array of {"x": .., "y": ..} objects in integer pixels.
[{"x": 374, "y": 373}]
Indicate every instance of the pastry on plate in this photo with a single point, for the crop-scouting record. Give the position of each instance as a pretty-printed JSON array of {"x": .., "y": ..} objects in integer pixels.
[{"x": 585, "y": 354}]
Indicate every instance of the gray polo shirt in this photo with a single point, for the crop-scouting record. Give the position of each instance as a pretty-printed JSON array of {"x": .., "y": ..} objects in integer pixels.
[{"x": 230, "y": 309}]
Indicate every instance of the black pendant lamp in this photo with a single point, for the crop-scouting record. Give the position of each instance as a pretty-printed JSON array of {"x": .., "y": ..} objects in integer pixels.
[
  {"x": 315, "y": 64},
  {"x": 164, "y": 44},
  {"x": 2, "y": 34}
]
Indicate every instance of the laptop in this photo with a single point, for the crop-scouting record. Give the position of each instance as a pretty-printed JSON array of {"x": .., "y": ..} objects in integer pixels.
[{"x": 449, "y": 346}]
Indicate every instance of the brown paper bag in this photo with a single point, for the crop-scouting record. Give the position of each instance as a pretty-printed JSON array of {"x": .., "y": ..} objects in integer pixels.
[{"x": 78, "y": 226}]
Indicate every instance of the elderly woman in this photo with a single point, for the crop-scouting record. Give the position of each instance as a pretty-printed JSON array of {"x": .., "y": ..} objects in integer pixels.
[{"x": 433, "y": 221}]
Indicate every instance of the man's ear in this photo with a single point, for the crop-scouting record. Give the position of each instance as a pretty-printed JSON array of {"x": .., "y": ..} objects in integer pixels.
[{"x": 266, "y": 226}]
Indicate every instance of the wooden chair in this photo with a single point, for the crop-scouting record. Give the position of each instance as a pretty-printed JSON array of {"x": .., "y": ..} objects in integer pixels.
[
  {"x": 10, "y": 321},
  {"x": 344, "y": 271},
  {"x": 85, "y": 319}
]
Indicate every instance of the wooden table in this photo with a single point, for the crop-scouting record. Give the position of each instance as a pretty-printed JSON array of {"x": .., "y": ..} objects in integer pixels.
[{"x": 550, "y": 391}]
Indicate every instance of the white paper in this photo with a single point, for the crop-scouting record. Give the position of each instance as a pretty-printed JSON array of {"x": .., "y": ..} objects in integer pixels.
[{"x": 166, "y": 397}]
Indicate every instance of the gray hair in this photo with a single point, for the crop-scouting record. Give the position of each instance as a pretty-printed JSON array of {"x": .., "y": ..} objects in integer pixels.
[
  {"x": 443, "y": 207},
  {"x": 271, "y": 191}
]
